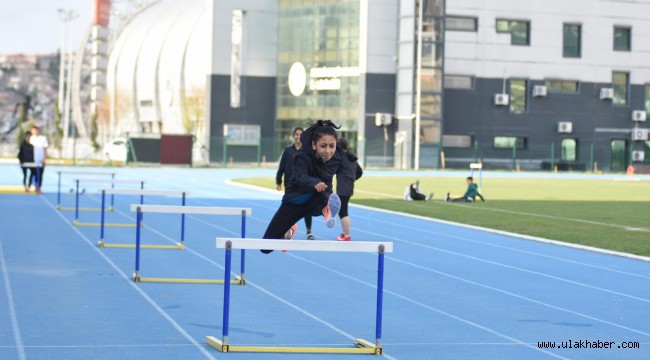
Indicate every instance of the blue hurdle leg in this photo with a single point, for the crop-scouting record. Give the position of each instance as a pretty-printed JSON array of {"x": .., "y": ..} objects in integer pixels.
[
  {"x": 226, "y": 292},
  {"x": 76, "y": 203},
  {"x": 243, "y": 252},
  {"x": 58, "y": 192},
  {"x": 183, "y": 222},
  {"x": 137, "y": 245},
  {"x": 112, "y": 187},
  {"x": 101, "y": 236},
  {"x": 380, "y": 294}
]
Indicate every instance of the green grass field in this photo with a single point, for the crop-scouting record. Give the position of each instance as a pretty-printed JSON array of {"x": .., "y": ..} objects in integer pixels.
[{"x": 607, "y": 214}]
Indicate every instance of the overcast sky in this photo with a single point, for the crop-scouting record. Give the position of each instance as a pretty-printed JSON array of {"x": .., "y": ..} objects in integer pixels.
[{"x": 33, "y": 26}]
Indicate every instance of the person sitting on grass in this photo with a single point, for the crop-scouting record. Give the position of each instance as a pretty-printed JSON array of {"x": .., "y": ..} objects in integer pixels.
[
  {"x": 470, "y": 195},
  {"x": 413, "y": 192}
]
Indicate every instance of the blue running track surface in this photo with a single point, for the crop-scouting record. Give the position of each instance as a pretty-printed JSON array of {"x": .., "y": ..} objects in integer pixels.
[{"x": 450, "y": 292}]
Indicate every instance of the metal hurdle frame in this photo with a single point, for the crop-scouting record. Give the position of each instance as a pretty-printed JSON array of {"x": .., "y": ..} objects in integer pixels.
[
  {"x": 58, "y": 193},
  {"x": 199, "y": 210},
  {"x": 142, "y": 193},
  {"x": 76, "y": 221},
  {"x": 361, "y": 346}
]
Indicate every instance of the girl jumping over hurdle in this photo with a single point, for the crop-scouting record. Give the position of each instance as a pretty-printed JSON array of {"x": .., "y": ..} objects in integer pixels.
[{"x": 309, "y": 191}]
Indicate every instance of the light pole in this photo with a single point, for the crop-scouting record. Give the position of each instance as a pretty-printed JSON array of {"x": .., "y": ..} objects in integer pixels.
[{"x": 66, "y": 16}]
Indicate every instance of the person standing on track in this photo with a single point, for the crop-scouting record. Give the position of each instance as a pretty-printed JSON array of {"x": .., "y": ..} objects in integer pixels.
[
  {"x": 26, "y": 155},
  {"x": 40, "y": 154},
  {"x": 309, "y": 191},
  {"x": 350, "y": 172},
  {"x": 286, "y": 168}
]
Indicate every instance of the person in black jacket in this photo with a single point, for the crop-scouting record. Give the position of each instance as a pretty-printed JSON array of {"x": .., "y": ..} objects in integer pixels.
[
  {"x": 309, "y": 191},
  {"x": 348, "y": 173},
  {"x": 26, "y": 155},
  {"x": 286, "y": 168}
]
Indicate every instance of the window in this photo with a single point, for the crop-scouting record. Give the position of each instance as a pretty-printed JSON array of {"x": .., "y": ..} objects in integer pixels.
[
  {"x": 508, "y": 142},
  {"x": 461, "y": 23},
  {"x": 647, "y": 98},
  {"x": 518, "y": 91},
  {"x": 572, "y": 41},
  {"x": 457, "y": 141},
  {"x": 622, "y": 38},
  {"x": 646, "y": 149},
  {"x": 569, "y": 150},
  {"x": 562, "y": 86},
  {"x": 459, "y": 82},
  {"x": 519, "y": 30},
  {"x": 621, "y": 84}
]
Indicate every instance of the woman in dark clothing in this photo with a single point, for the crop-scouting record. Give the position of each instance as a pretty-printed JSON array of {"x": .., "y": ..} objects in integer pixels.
[
  {"x": 345, "y": 178},
  {"x": 26, "y": 155},
  {"x": 309, "y": 191},
  {"x": 286, "y": 168}
]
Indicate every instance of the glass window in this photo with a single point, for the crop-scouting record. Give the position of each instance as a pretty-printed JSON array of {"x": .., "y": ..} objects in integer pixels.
[
  {"x": 519, "y": 30},
  {"x": 569, "y": 150},
  {"x": 621, "y": 84},
  {"x": 562, "y": 86},
  {"x": 622, "y": 38},
  {"x": 572, "y": 41},
  {"x": 646, "y": 149},
  {"x": 461, "y": 23},
  {"x": 647, "y": 98},
  {"x": 508, "y": 142},
  {"x": 518, "y": 90},
  {"x": 462, "y": 82}
]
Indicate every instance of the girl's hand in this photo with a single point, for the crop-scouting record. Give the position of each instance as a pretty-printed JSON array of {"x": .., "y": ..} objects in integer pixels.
[{"x": 320, "y": 187}]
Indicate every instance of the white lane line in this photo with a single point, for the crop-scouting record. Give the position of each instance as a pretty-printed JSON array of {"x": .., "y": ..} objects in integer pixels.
[
  {"x": 508, "y": 266},
  {"x": 20, "y": 347},
  {"x": 155, "y": 305},
  {"x": 428, "y": 307},
  {"x": 483, "y": 243}
]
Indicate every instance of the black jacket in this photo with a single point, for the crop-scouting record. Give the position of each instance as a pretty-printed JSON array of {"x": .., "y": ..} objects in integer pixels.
[
  {"x": 309, "y": 171},
  {"x": 26, "y": 152},
  {"x": 286, "y": 165},
  {"x": 349, "y": 172}
]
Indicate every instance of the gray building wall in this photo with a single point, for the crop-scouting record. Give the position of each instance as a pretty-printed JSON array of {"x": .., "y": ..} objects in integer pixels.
[
  {"x": 259, "y": 94},
  {"x": 595, "y": 121}
]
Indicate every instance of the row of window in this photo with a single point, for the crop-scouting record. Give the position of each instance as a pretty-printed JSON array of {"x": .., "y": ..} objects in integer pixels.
[
  {"x": 519, "y": 31},
  {"x": 519, "y": 89},
  {"x": 568, "y": 146}
]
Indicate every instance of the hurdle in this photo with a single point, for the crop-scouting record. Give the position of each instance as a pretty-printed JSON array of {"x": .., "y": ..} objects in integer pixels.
[
  {"x": 361, "y": 346},
  {"x": 475, "y": 166},
  {"x": 199, "y": 210},
  {"x": 58, "y": 192},
  {"x": 76, "y": 221},
  {"x": 142, "y": 193}
]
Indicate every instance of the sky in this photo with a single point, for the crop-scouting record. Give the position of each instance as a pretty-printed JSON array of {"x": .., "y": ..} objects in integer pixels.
[{"x": 33, "y": 27}]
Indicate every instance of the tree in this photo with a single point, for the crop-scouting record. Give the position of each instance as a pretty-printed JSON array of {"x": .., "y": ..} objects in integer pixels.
[
  {"x": 94, "y": 132},
  {"x": 57, "y": 137}
]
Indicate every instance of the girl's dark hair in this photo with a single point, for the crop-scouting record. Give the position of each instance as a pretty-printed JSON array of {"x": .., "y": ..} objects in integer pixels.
[
  {"x": 296, "y": 129},
  {"x": 343, "y": 144},
  {"x": 320, "y": 128},
  {"x": 27, "y": 133}
]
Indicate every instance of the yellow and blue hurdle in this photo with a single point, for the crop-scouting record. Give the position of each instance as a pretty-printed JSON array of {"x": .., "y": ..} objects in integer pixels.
[
  {"x": 361, "y": 346},
  {"x": 76, "y": 221},
  {"x": 142, "y": 193},
  {"x": 202, "y": 210},
  {"x": 58, "y": 193}
]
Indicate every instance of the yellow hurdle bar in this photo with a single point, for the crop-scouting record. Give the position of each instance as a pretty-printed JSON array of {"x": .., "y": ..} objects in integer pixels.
[
  {"x": 82, "y": 209},
  {"x": 236, "y": 281},
  {"x": 78, "y": 223},
  {"x": 362, "y": 347},
  {"x": 178, "y": 246}
]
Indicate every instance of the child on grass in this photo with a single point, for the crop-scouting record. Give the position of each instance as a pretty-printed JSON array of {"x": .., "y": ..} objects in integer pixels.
[
  {"x": 309, "y": 191},
  {"x": 470, "y": 195}
]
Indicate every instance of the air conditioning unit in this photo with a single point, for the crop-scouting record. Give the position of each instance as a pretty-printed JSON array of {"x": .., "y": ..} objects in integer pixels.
[
  {"x": 638, "y": 115},
  {"x": 639, "y": 134},
  {"x": 539, "y": 91},
  {"x": 638, "y": 156},
  {"x": 383, "y": 119},
  {"x": 565, "y": 127},
  {"x": 501, "y": 99},
  {"x": 606, "y": 93}
]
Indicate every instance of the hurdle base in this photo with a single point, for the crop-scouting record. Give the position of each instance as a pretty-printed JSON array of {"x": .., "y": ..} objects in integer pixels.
[
  {"x": 137, "y": 278},
  {"x": 362, "y": 347},
  {"x": 79, "y": 223},
  {"x": 178, "y": 246}
]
